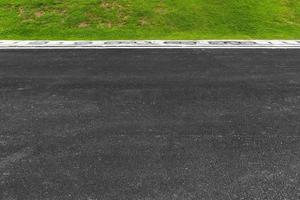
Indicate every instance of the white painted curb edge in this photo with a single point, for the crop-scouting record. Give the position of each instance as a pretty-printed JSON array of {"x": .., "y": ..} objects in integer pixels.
[{"x": 106, "y": 44}]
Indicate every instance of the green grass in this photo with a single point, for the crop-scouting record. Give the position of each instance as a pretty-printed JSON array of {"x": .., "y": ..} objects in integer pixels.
[{"x": 149, "y": 19}]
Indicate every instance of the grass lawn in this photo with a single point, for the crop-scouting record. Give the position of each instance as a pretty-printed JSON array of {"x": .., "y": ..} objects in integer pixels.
[{"x": 149, "y": 19}]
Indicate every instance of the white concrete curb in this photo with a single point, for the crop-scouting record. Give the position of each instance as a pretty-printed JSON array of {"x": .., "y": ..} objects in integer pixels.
[{"x": 106, "y": 44}]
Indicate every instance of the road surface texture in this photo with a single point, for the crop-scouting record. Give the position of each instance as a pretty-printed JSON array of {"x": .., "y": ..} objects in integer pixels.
[{"x": 160, "y": 124}]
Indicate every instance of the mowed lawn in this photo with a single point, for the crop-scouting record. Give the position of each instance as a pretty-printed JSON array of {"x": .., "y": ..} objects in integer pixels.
[{"x": 149, "y": 19}]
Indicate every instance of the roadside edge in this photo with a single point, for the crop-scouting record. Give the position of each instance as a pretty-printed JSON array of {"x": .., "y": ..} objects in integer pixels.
[{"x": 103, "y": 44}]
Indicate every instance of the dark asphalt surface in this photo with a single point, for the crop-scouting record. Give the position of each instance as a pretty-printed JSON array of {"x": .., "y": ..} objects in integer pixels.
[{"x": 150, "y": 124}]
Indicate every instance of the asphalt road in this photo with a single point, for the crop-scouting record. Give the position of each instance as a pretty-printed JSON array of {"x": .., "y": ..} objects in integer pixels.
[{"x": 150, "y": 124}]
